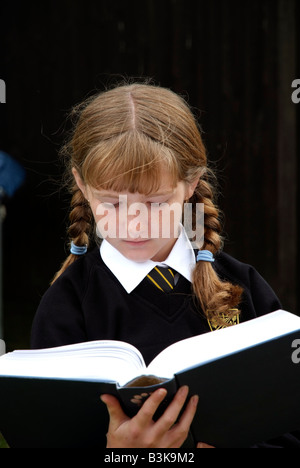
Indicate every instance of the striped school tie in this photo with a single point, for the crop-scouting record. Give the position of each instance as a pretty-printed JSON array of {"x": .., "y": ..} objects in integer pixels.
[{"x": 162, "y": 278}]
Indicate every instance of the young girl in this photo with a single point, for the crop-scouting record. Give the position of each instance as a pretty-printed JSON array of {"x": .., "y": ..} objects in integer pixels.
[{"x": 133, "y": 148}]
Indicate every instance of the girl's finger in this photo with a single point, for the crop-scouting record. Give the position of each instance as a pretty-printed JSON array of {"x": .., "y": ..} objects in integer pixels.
[
  {"x": 170, "y": 416},
  {"x": 189, "y": 413},
  {"x": 116, "y": 413},
  {"x": 147, "y": 411}
]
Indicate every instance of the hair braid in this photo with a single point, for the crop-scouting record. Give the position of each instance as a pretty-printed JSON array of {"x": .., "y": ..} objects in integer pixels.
[
  {"x": 80, "y": 218},
  {"x": 216, "y": 297},
  {"x": 80, "y": 226}
]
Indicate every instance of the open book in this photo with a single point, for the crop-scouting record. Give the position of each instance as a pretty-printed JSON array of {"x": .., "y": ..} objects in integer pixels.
[
  {"x": 121, "y": 362},
  {"x": 244, "y": 374}
]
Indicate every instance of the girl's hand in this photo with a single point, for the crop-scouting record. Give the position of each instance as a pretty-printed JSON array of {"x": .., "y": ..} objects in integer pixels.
[{"x": 141, "y": 431}]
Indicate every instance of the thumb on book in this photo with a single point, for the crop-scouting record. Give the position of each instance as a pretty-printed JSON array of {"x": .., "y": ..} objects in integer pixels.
[{"x": 116, "y": 413}]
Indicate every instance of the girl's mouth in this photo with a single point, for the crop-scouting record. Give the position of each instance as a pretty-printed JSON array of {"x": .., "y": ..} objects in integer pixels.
[{"x": 137, "y": 242}]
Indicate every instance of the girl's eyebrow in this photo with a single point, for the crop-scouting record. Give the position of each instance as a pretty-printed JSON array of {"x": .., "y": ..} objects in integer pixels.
[
  {"x": 106, "y": 194},
  {"x": 159, "y": 194},
  {"x": 116, "y": 195}
]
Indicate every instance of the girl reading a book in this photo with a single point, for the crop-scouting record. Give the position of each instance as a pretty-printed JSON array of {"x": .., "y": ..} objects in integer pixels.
[{"x": 135, "y": 161}]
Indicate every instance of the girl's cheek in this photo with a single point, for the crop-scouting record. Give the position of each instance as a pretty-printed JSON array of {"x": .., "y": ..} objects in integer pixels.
[
  {"x": 106, "y": 221},
  {"x": 165, "y": 220}
]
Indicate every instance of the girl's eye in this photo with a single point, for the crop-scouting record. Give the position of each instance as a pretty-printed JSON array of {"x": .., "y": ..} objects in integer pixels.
[
  {"x": 108, "y": 205},
  {"x": 157, "y": 202}
]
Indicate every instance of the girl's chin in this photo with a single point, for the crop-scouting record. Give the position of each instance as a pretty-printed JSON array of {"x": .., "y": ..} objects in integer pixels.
[
  {"x": 141, "y": 251},
  {"x": 138, "y": 251}
]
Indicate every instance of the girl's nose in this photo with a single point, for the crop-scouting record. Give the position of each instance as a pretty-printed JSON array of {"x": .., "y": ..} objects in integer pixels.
[{"x": 138, "y": 218}]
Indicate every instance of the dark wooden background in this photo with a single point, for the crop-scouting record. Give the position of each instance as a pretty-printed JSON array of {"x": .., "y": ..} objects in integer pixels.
[{"x": 235, "y": 61}]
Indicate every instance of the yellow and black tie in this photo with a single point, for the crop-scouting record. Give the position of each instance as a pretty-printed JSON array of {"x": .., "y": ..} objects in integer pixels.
[{"x": 162, "y": 278}]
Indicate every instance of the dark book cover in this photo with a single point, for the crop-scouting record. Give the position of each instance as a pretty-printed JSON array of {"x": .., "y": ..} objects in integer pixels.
[{"x": 244, "y": 398}]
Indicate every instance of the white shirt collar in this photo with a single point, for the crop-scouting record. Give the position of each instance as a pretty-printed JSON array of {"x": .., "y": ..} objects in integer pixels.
[{"x": 181, "y": 259}]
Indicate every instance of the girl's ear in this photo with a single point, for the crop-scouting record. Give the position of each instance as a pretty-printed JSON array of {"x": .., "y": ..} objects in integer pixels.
[
  {"x": 190, "y": 188},
  {"x": 81, "y": 185}
]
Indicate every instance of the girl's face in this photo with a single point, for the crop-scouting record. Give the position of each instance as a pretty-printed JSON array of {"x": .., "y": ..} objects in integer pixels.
[{"x": 140, "y": 227}]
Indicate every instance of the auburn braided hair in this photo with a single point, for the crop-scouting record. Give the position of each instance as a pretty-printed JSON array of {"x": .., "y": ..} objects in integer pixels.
[
  {"x": 79, "y": 230},
  {"x": 218, "y": 299},
  {"x": 125, "y": 139}
]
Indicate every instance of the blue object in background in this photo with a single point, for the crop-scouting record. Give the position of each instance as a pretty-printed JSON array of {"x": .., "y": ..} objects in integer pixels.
[{"x": 12, "y": 174}]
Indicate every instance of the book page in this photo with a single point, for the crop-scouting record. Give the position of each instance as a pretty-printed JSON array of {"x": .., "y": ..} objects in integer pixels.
[
  {"x": 209, "y": 346},
  {"x": 95, "y": 360}
]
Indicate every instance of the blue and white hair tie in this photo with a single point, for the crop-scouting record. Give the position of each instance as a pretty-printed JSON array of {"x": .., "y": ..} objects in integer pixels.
[
  {"x": 78, "y": 250},
  {"x": 205, "y": 255}
]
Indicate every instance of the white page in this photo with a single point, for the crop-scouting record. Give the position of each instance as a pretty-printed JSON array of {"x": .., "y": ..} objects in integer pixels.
[
  {"x": 95, "y": 360},
  {"x": 209, "y": 346}
]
